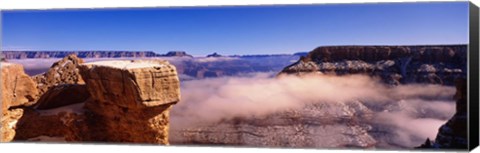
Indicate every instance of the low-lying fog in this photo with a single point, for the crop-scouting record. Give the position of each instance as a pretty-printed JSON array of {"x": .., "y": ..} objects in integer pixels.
[{"x": 424, "y": 108}]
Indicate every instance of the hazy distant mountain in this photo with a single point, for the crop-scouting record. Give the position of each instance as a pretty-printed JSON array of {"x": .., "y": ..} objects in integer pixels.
[
  {"x": 214, "y": 55},
  {"x": 214, "y": 65},
  {"x": 89, "y": 54}
]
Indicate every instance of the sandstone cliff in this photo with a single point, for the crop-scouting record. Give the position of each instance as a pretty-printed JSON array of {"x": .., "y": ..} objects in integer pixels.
[
  {"x": 17, "y": 90},
  {"x": 132, "y": 99},
  {"x": 393, "y": 64}
]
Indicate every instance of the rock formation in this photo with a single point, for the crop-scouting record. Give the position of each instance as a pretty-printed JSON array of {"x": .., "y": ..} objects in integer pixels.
[
  {"x": 214, "y": 55},
  {"x": 121, "y": 101},
  {"x": 131, "y": 99},
  {"x": 394, "y": 64},
  {"x": 17, "y": 87},
  {"x": 62, "y": 72},
  {"x": 18, "y": 90}
]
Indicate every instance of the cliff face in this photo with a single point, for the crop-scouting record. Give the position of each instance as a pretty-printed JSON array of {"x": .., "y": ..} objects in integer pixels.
[
  {"x": 121, "y": 101},
  {"x": 393, "y": 64},
  {"x": 17, "y": 90},
  {"x": 132, "y": 98},
  {"x": 17, "y": 87}
]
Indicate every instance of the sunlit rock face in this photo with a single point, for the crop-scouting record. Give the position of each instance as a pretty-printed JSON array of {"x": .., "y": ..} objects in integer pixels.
[
  {"x": 18, "y": 90},
  {"x": 131, "y": 99},
  {"x": 393, "y": 64}
]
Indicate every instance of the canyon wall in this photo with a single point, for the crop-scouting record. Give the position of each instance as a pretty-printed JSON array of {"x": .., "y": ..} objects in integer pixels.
[
  {"x": 17, "y": 90},
  {"x": 439, "y": 64}
]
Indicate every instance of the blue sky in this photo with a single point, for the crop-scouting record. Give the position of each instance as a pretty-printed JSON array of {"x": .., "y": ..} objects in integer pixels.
[{"x": 236, "y": 30}]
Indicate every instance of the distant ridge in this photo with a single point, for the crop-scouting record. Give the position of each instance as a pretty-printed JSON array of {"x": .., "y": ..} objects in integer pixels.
[{"x": 86, "y": 54}]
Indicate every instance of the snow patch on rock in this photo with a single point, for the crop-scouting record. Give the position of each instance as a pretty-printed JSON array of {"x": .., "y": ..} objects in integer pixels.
[
  {"x": 74, "y": 108},
  {"x": 128, "y": 64}
]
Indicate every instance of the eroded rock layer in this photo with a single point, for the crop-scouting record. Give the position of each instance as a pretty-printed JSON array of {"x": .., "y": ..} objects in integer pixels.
[{"x": 393, "y": 64}]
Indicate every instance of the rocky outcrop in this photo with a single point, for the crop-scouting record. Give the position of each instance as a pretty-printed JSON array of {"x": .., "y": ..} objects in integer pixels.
[
  {"x": 17, "y": 87},
  {"x": 62, "y": 72},
  {"x": 453, "y": 134},
  {"x": 121, "y": 101},
  {"x": 18, "y": 90},
  {"x": 393, "y": 64},
  {"x": 131, "y": 99}
]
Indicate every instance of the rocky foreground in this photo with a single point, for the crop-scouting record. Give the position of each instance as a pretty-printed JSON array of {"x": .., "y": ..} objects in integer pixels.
[{"x": 114, "y": 101}]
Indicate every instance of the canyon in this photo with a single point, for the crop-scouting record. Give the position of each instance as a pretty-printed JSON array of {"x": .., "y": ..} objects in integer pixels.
[
  {"x": 354, "y": 123},
  {"x": 331, "y": 97}
]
